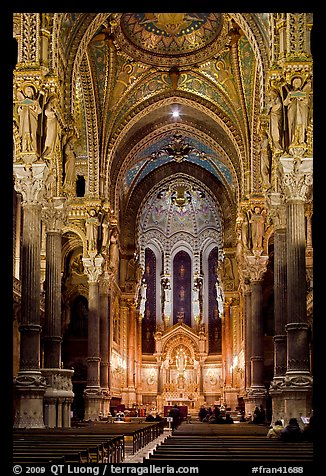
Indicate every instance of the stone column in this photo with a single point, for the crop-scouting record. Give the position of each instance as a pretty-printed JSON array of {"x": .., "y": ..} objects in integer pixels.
[
  {"x": 54, "y": 217},
  {"x": 248, "y": 335},
  {"x": 58, "y": 395},
  {"x": 230, "y": 393},
  {"x": 104, "y": 343},
  {"x": 17, "y": 234},
  {"x": 29, "y": 383},
  {"x": 131, "y": 353},
  {"x": 297, "y": 388},
  {"x": 256, "y": 266},
  {"x": 278, "y": 213},
  {"x": 93, "y": 269},
  {"x": 139, "y": 354},
  {"x": 227, "y": 342},
  {"x": 124, "y": 315}
]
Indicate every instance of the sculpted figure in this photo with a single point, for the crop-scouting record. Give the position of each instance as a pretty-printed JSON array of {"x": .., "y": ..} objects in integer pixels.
[
  {"x": 297, "y": 102},
  {"x": 265, "y": 159},
  {"x": 51, "y": 127},
  {"x": 69, "y": 158},
  {"x": 28, "y": 110},
  {"x": 257, "y": 227},
  {"x": 275, "y": 109},
  {"x": 114, "y": 251},
  {"x": 92, "y": 224}
]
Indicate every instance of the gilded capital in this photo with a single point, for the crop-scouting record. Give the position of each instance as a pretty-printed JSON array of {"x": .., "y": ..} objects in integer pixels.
[
  {"x": 297, "y": 177},
  {"x": 29, "y": 181},
  {"x": 54, "y": 214},
  {"x": 93, "y": 268},
  {"x": 256, "y": 266},
  {"x": 277, "y": 210}
]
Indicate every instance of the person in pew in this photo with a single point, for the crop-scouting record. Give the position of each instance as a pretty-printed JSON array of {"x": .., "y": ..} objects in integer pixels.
[
  {"x": 158, "y": 417},
  {"x": 150, "y": 417},
  {"x": 292, "y": 431},
  {"x": 228, "y": 418},
  {"x": 275, "y": 430},
  {"x": 309, "y": 430},
  {"x": 202, "y": 413},
  {"x": 176, "y": 417}
]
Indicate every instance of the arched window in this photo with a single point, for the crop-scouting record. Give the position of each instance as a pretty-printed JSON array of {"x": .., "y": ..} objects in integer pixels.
[
  {"x": 149, "y": 320},
  {"x": 182, "y": 288},
  {"x": 214, "y": 319}
]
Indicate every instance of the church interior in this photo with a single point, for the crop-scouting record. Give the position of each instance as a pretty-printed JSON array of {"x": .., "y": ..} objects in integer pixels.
[{"x": 162, "y": 214}]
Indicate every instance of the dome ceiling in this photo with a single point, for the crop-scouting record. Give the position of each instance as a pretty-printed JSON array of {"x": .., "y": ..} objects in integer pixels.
[{"x": 171, "y": 39}]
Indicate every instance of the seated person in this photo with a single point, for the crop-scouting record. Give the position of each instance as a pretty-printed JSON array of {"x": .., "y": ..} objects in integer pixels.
[
  {"x": 275, "y": 430},
  {"x": 292, "y": 431}
]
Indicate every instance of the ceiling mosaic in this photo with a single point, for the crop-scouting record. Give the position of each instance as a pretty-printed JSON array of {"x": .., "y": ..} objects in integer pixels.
[
  {"x": 180, "y": 207},
  {"x": 176, "y": 148},
  {"x": 171, "y": 38},
  {"x": 171, "y": 33}
]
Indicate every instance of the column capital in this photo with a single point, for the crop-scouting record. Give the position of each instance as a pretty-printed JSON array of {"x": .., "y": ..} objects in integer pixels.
[
  {"x": 29, "y": 181},
  {"x": 93, "y": 268},
  {"x": 256, "y": 266},
  {"x": 297, "y": 177},
  {"x": 105, "y": 283},
  {"x": 277, "y": 209},
  {"x": 54, "y": 214}
]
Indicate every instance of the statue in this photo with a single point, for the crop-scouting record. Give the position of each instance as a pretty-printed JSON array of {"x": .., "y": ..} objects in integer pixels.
[
  {"x": 219, "y": 298},
  {"x": 92, "y": 224},
  {"x": 114, "y": 251},
  {"x": 265, "y": 159},
  {"x": 69, "y": 184},
  {"x": 131, "y": 269},
  {"x": 257, "y": 222},
  {"x": 105, "y": 235},
  {"x": 228, "y": 270},
  {"x": 28, "y": 110},
  {"x": 275, "y": 110},
  {"x": 244, "y": 229},
  {"x": 51, "y": 127},
  {"x": 297, "y": 102}
]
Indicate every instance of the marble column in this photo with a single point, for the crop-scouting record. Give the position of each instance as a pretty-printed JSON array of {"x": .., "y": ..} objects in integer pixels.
[
  {"x": 248, "y": 335},
  {"x": 92, "y": 394},
  {"x": 131, "y": 369},
  {"x": 139, "y": 354},
  {"x": 297, "y": 388},
  {"x": 278, "y": 214},
  {"x": 104, "y": 343},
  {"x": 29, "y": 383},
  {"x": 59, "y": 395},
  {"x": 228, "y": 343},
  {"x": 256, "y": 266},
  {"x": 17, "y": 234},
  {"x": 53, "y": 216}
]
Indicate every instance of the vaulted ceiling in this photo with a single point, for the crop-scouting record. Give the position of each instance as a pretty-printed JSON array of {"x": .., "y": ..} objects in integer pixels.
[{"x": 159, "y": 93}]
